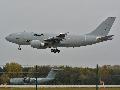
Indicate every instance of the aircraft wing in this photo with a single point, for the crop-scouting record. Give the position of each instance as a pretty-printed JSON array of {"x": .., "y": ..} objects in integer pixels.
[{"x": 56, "y": 39}]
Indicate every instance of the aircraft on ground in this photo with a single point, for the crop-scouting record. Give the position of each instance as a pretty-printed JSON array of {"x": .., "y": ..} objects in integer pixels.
[
  {"x": 28, "y": 80},
  {"x": 47, "y": 40}
]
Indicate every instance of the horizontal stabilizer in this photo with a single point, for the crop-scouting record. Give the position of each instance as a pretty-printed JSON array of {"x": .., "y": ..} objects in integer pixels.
[{"x": 105, "y": 38}]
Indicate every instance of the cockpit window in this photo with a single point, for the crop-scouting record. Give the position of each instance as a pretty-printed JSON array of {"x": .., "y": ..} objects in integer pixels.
[
  {"x": 10, "y": 35},
  {"x": 17, "y": 38},
  {"x": 18, "y": 33},
  {"x": 38, "y": 35}
]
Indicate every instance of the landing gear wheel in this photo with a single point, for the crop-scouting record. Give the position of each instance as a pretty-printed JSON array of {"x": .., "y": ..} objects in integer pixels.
[
  {"x": 55, "y": 50},
  {"x": 52, "y": 50},
  {"x": 19, "y": 48},
  {"x": 58, "y": 51}
]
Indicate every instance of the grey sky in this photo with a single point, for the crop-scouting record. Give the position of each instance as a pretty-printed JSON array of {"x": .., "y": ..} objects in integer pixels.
[{"x": 55, "y": 16}]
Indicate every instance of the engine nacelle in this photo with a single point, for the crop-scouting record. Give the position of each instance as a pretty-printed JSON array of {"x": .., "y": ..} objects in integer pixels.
[
  {"x": 37, "y": 44},
  {"x": 98, "y": 38}
]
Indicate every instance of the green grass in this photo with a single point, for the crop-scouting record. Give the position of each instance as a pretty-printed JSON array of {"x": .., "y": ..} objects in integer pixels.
[{"x": 58, "y": 89}]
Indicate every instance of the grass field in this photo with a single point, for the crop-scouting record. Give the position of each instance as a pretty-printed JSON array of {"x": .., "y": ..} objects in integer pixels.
[{"x": 59, "y": 89}]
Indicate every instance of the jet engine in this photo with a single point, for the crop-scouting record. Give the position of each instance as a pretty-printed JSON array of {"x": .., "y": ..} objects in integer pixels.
[
  {"x": 37, "y": 44},
  {"x": 98, "y": 38}
]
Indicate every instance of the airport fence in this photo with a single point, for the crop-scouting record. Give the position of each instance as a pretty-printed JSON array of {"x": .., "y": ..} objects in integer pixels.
[{"x": 100, "y": 76}]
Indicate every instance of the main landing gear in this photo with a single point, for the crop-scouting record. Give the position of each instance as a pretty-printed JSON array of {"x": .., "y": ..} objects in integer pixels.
[
  {"x": 55, "y": 50},
  {"x": 19, "y": 48}
]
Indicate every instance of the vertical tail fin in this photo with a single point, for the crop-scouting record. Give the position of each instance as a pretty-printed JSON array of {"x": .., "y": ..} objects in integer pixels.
[
  {"x": 52, "y": 73},
  {"x": 104, "y": 28}
]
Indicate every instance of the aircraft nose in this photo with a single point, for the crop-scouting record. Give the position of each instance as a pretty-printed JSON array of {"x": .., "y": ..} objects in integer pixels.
[{"x": 7, "y": 38}]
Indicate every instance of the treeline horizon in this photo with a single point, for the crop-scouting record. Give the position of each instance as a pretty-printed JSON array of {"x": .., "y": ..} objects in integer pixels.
[{"x": 69, "y": 75}]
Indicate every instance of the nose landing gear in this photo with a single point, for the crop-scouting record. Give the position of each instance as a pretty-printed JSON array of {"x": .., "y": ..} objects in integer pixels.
[
  {"x": 55, "y": 50},
  {"x": 19, "y": 48}
]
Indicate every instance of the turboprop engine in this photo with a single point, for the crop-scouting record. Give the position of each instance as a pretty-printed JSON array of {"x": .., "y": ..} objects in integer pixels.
[{"x": 37, "y": 44}]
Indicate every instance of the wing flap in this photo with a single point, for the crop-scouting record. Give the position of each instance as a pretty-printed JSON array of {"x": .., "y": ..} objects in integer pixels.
[{"x": 56, "y": 39}]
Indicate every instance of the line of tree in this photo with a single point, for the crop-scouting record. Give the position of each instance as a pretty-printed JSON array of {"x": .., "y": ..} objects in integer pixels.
[{"x": 68, "y": 76}]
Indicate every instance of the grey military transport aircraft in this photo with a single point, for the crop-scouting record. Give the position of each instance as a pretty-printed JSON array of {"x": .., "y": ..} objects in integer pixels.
[
  {"x": 28, "y": 80},
  {"x": 46, "y": 40}
]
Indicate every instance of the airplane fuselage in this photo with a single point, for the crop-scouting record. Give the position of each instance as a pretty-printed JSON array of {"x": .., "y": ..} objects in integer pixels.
[
  {"x": 22, "y": 81},
  {"x": 46, "y": 40},
  {"x": 27, "y": 80},
  {"x": 24, "y": 38}
]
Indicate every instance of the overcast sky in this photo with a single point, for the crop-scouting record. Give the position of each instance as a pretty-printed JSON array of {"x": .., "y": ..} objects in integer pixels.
[{"x": 55, "y": 16}]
